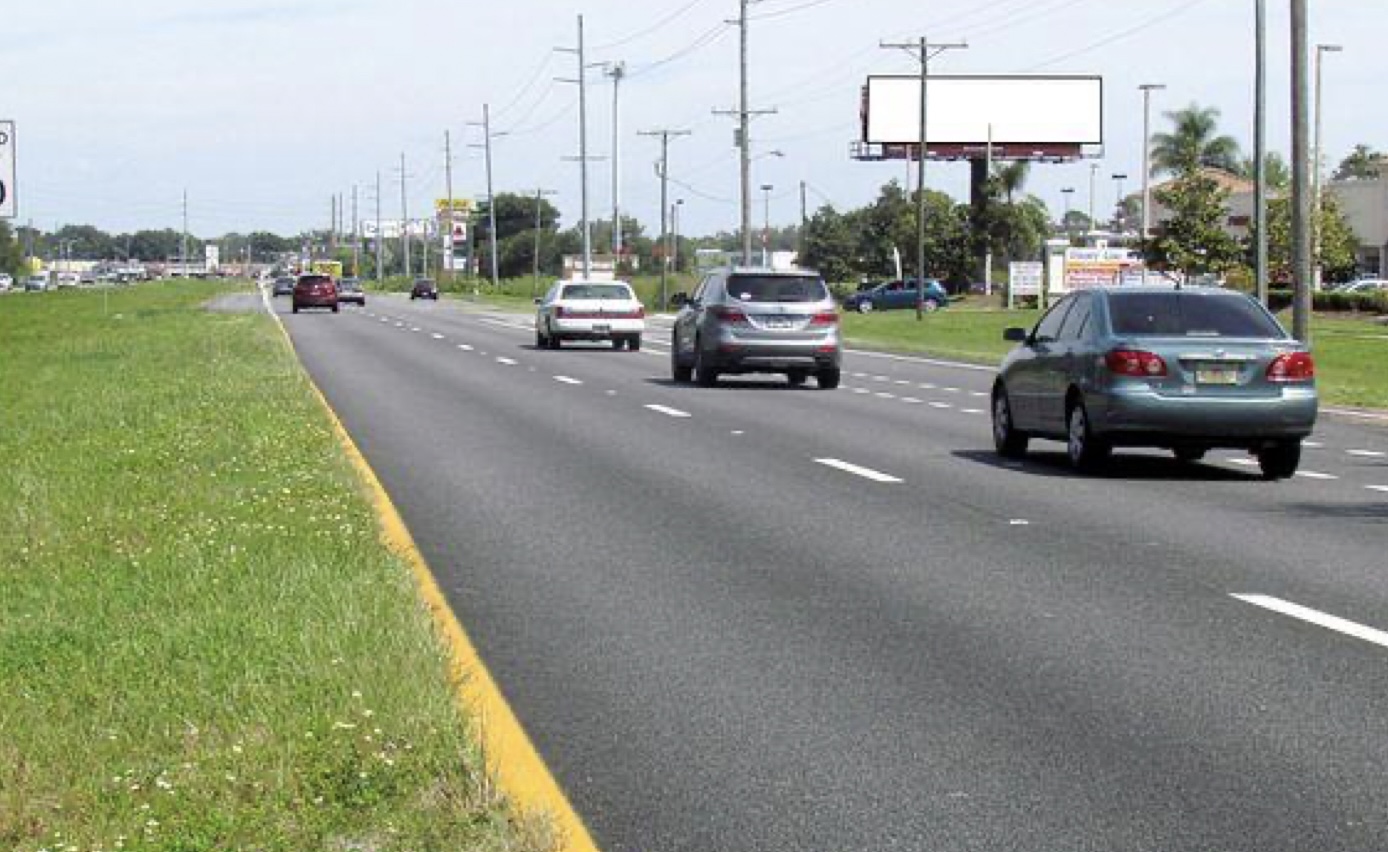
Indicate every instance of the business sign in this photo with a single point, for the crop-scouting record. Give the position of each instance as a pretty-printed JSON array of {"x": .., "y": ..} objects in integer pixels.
[
  {"x": 8, "y": 207},
  {"x": 1024, "y": 277},
  {"x": 1098, "y": 267},
  {"x": 1021, "y": 116},
  {"x": 460, "y": 206},
  {"x": 390, "y": 228}
]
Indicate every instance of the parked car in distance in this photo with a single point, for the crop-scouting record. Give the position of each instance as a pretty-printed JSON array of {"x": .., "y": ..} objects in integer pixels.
[
  {"x": 315, "y": 291},
  {"x": 893, "y": 295},
  {"x": 349, "y": 290},
  {"x": 283, "y": 286},
  {"x": 589, "y": 310},
  {"x": 424, "y": 288},
  {"x": 1365, "y": 285},
  {"x": 6, "y": 282},
  {"x": 36, "y": 283},
  {"x": 1185, "y": 369},
  {"x": 757, "y": 321}
]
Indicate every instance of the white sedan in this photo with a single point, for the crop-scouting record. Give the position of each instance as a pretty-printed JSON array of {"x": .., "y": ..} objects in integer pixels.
[{"x": 589, "y": 310}]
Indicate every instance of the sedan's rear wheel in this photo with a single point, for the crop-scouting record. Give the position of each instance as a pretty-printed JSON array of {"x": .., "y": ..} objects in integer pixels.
[
  {"x": 540, "y": 341},
  {"x": 1280, "y": 460},
  {"x": 828, "y": 378},
  {"x": 618, "y": 343},
  {"x": 1007, "y": 440},
  {"x": 1087, "y": 451},
  {"x": 796, "y": 378},
  {"x": 634, "y": 343}
]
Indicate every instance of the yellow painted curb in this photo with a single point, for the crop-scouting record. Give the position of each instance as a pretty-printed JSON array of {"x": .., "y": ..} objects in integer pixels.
[{"x": 507, "y": 750}]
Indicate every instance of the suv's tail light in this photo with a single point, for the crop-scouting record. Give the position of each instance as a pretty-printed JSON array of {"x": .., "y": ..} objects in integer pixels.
[
  {"x": 1135, "y": 362},
  {"x": 1292, "y": 367},
  {"x": 825, "y": 318},
  {"x": 728, "y": 315}
]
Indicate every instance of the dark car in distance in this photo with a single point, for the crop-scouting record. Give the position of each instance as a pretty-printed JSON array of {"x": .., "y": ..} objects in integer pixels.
[
  {"x": 424, "y": 288},
  {"x": 899, "y": 294},
  {"x": 283, "y": 286},
  {"x": 315, "y": 291},
  {"x": 349, "y": 291}
]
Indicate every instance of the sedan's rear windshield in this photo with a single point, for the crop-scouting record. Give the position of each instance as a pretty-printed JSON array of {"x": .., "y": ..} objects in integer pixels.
[
  {"x": 777, "y": 288},
  {"x": 1178, "y": 314},
  {"x": 596, "y": 291}
]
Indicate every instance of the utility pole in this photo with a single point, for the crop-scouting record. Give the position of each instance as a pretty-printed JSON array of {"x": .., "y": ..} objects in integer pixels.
[
  {"x": 447, "y": 264},
  {"x": 380, "y": 237},
  {"x": 1147, "y": 90},
  {"x": 675, "y": 235},
  {"x": 535, "y": 282},
  {"x": 404, "y": 217},
  {"x": 664, "y": 169},
  {"x": 924, "y": 51},
  {"x": 1301, "y": 183},
  {"x": 585, "y": 227},
  {"x": 742, "y": 138},
  {"x": 486, "y": 126},
  {"x": 356, "y": 237},
  {"x": 1260, "y": 155},
  {"x": 332, "y": 228},
  {"x": 804, "y": 226},
  {"x": 1093, "y": 175},
  {"x": 617, "y": 70}
]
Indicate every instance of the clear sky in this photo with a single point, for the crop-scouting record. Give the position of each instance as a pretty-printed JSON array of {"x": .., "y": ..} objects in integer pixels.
[{"x": 264, "y": 109}]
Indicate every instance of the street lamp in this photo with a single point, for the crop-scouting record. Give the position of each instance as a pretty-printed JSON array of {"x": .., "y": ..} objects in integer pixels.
[
  {"x": 766, "y": 226},
  {"x": 1118, "y": 206},
  {"x": 1067, "y": 192},
  {"x": 1316, "y": 166},
  {"x": 1147, "y": 90}
]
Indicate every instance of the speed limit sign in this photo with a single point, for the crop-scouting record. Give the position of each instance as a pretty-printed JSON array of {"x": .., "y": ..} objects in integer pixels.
[{"x": 7, "y": 201}]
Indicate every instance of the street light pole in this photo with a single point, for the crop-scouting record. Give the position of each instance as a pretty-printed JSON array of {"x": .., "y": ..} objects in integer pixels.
[
  {"x": 1260, "y": 171},
  {"x": 1118, "y": 204},
  {"x": 1147, "y": 90},
  {"x": 1301, "y": 164},
  {"x": 766, "y": 225},
  {"x": 1317, "y": 166}
]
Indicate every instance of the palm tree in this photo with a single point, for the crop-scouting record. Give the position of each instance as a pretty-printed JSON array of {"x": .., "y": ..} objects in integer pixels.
[
  {"x": 1193, "y": 144},
  {"x": 1009, "y": 178}
]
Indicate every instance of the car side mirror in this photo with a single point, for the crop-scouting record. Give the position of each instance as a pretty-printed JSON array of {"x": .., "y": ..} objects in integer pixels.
[
  {"x": 538, "y": 300},
  {"x": 1014, "y": 335},
  {"x": 679, "y": 300}
]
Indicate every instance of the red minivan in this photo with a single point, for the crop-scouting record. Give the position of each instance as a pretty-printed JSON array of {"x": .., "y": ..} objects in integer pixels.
[{"x": 315, "y": 291}]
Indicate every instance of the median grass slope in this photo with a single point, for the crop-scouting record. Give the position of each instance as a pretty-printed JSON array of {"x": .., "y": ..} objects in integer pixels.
[{"x": 203, "y": 644}]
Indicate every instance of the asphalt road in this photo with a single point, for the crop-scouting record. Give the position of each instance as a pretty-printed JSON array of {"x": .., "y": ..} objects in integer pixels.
[{"x": 760, "y": 618}]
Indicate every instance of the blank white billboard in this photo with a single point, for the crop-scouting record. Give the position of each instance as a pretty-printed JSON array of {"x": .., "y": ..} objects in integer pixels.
[{"x": 960, "y": 110}]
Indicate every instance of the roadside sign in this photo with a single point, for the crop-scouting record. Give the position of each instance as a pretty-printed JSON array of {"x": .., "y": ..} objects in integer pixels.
[
  {"x": 8, "y": 208},
  {"x": 1024, "y": 279}
]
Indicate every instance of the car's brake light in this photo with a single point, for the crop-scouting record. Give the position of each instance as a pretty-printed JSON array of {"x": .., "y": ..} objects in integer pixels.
[
  {"x": 1135, "y": 362},
  {"x": 1292, "y": 367},
  {"x": 728, "y": 315},
  {"x": 825, "y": 318}
]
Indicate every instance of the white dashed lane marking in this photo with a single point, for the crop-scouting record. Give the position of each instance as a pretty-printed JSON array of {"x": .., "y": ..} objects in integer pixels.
[
  {"x": 510, "y": 362},
  {"x": 864, "y": 472},
  {"x": 669, "y": 412},
  {"x": 1367, "y": 454},
  {"x": 568, "y": 380},
  {"x": 1321, "y": 619},
  {"x": 1380, "y": 488},
  {"x": 436, "y": 336},
  {"x": 1312, "y": 474},
  {"x": 940, "y": 405}
]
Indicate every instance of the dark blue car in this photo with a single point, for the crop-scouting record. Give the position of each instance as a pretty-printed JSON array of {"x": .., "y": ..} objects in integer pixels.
[{"x": 891, "y": 295}]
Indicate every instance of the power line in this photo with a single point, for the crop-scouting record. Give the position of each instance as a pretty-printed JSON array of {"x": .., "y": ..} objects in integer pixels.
[
  {"x": 1118, "y": 36},
  {"x": 652, "y": 28}
]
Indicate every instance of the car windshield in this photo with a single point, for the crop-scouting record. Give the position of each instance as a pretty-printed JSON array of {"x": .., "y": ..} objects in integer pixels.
[
  {"x": 1178, "y": 314},
  {"x": 596, "y": 291},
  {"x": 777, "y": 288},
  {"x": 312, "y": 280}
]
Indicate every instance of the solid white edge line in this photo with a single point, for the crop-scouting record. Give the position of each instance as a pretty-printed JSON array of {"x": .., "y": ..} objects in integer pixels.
[
  {"x": 1329, "y": 622},
  {"x": 864, "y": 472},
  {"x": 668, "y": 411}
]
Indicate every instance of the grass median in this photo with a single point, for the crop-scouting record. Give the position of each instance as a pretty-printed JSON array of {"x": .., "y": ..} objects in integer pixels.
[{"x": 203, "y": 643}]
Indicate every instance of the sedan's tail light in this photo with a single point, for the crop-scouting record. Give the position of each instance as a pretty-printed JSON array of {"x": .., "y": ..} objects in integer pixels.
[
  {"x": 728, "y": 315},
  {"x": 1292, "y": 367},
  {"x": 1135, "y": 362},
  {"x": 824, "y": 318}
]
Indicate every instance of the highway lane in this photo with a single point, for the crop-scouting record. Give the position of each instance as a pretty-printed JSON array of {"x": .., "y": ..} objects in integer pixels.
[{"x": 759, "y": 617}]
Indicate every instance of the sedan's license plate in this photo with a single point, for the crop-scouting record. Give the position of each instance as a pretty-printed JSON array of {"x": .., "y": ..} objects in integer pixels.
[
  {"x": 778, "y": 322},
  {"x": 1217, "y": 376},
  {"x": 602, "y": 328}
]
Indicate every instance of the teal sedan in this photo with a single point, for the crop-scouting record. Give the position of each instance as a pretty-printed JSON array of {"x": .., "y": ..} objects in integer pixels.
[{"x": 1185, "y": 369}]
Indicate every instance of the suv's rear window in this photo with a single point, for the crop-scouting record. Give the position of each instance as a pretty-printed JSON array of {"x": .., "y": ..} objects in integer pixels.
[
  {"x": 1178, "y": 314},
  {"x": 777, "y": 288},
  {"x": 313, "y": 280},
  {"x": 596, "y": 291}
]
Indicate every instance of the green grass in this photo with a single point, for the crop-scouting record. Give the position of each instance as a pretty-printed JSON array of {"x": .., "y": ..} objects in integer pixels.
[{"x": 203, "y": 643}]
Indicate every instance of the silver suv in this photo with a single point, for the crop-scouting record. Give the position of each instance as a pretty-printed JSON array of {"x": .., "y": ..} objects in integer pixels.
[{"x": 757, "y": 321}]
